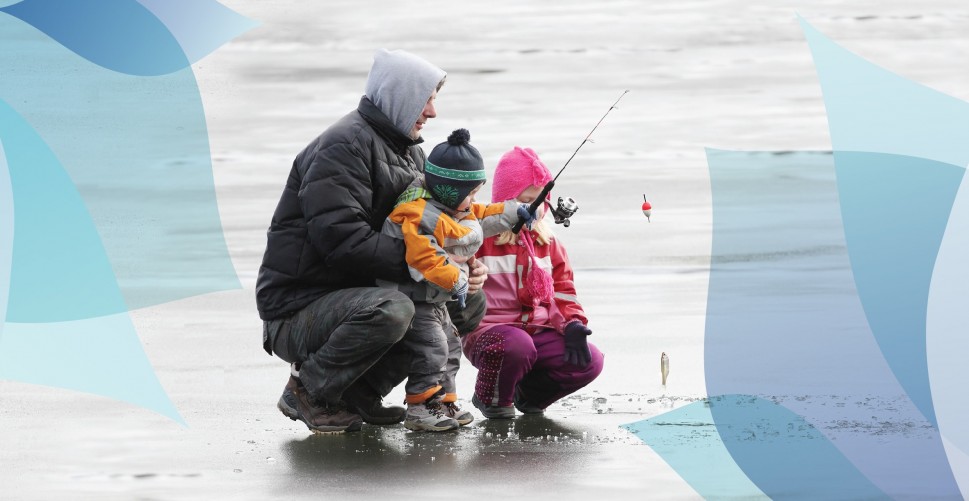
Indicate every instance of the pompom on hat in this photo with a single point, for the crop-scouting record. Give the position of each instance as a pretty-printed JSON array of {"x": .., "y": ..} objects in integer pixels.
[
  {"x": 453, "y": 169},
  {"x": 516, "y": 171}
]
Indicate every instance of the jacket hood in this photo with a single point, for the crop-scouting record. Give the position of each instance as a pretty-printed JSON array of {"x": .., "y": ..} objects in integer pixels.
[{"x": 400, "y": 84}]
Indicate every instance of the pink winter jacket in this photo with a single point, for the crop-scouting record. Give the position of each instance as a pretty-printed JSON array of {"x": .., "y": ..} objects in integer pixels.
[{"x": 508, "y": 301}]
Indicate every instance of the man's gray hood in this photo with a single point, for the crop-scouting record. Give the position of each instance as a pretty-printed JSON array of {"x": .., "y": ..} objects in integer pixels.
[{"x": 400, "y": 84}]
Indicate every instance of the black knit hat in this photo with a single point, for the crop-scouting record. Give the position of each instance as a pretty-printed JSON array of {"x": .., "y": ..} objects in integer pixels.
[{"x": 453, "y": 169}]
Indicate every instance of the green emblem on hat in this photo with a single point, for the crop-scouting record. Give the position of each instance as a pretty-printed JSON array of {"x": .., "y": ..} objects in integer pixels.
[{"x": 447, "y": 195}]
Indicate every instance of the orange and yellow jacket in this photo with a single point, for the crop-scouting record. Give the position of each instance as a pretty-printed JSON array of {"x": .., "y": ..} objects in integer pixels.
[{"x": 431, "y": 232}]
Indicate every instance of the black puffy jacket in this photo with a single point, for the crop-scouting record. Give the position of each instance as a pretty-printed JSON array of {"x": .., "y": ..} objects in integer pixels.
[{"x": 325, "y": 232}]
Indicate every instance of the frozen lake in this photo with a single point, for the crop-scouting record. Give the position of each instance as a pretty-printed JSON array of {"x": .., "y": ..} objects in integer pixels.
[{"x": 701, "y": 74}]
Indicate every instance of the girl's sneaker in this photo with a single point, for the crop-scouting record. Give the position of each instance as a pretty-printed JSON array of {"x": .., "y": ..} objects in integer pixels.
[
  {"x": 454, "y": 412},
  {"x": 523, "y": 406},
  {"x": 493, "y": 411}
]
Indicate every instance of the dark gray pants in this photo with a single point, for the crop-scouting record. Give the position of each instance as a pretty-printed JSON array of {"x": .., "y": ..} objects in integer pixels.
[
  {"x": 436, "y": 347},
  {"x": 349, "y": 339},
  {"x": 464, "y": 320},
  {"x": 344, "y": 336}
]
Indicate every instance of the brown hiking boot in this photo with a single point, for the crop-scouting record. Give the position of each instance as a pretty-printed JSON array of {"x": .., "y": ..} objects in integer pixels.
[
  {"x": 319, "y": 417},
  {"x": 287, "y": 401},
  {"x": 369, "y": 405}
]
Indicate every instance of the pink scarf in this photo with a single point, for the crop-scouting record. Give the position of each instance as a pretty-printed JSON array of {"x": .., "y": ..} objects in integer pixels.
[{"x": 538, "y": 282}]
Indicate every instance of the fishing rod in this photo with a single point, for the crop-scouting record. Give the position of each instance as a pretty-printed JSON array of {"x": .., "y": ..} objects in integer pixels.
[{"x": 548, "y": 187}]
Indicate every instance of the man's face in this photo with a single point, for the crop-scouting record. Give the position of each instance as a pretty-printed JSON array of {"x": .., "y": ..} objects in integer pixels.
[{"x": 427, "y": 113}]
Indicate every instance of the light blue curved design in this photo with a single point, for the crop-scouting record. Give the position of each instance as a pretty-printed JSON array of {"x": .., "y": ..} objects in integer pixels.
[
  {"x": 121, "y": 35},
  {"x": 871, "y": 109},
  {"x": 687, "y": 439},
  {"x": 6, "y": 234},
  {"x": 143, "y": 37},
  {"x": 893, "y": 255},
  {"x": 783, "y": 456},
  {"x": 109, "y": 200},
  {"x": 947, "y": 318},
  {"x": 784, "y": 322},
  {"x": 65, "y": 323},
  {"x": 200, "y": 26},
  {"x": 59, "y": 268},
  {"x": 101, "y": 355},
  {"x": 136, "y": 148}
]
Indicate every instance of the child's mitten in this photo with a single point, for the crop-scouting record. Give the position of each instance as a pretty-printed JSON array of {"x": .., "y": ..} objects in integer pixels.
[
  {"x": 576, "y": 345},
  {"x": 460, "y": 293},
  {"x": 526, "y": 216}
]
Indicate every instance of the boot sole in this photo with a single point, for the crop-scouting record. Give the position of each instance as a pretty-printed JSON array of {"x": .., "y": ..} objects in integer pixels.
[
  {"x": 493, "y": 412},
  {"x": 410, "y": 425},
  {"x": 329, "y": 430},
  {"x": 381, "y": 421},
  {"x": 498, "y": 416}
]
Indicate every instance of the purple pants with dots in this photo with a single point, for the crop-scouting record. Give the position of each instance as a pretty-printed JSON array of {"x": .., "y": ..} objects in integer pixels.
[{"x": 510, "y": 359}]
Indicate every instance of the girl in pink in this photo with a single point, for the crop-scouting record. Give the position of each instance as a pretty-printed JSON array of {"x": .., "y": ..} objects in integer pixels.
[{"x": 531, "y": 347}]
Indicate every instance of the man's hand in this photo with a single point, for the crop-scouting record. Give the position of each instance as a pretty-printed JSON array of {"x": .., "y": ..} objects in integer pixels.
[{"x": 479, "y": 273}]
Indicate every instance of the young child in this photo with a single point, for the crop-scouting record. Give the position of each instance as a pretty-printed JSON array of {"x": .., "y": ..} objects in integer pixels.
[
  {"x": 442, "y": 227},
  {"x": 531, "y": 347}
]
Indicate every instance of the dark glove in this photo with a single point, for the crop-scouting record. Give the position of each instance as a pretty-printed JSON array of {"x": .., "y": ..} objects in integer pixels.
[
  {"x": 461, "y": 294},
  {"x": 526, "y": 216},
  {"x": 576, "y": 345}
]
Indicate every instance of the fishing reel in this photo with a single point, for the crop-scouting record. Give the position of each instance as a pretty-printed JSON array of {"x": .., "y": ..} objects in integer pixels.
[{"x": 565, "y": 209}]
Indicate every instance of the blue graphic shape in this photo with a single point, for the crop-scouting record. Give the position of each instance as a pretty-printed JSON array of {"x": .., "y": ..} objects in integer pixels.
[
  {"x": 121, "y": 35},
  {"x": 136, "y": 148},
  {"x": 785, "y": 323},
  {"x": 689, "y": 442},
  {"x": 200, "y": 26},
  {"x": 783, "y": 456},
  {"x": 62, "y": 300},
  {"x": 893, "y": 252},
  {"x": 6, "y": 234},
  {"x": 896, "y": 142}
]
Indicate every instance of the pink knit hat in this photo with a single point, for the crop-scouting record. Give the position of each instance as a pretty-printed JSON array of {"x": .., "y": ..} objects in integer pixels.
[{"x": 516, "y": 171}]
